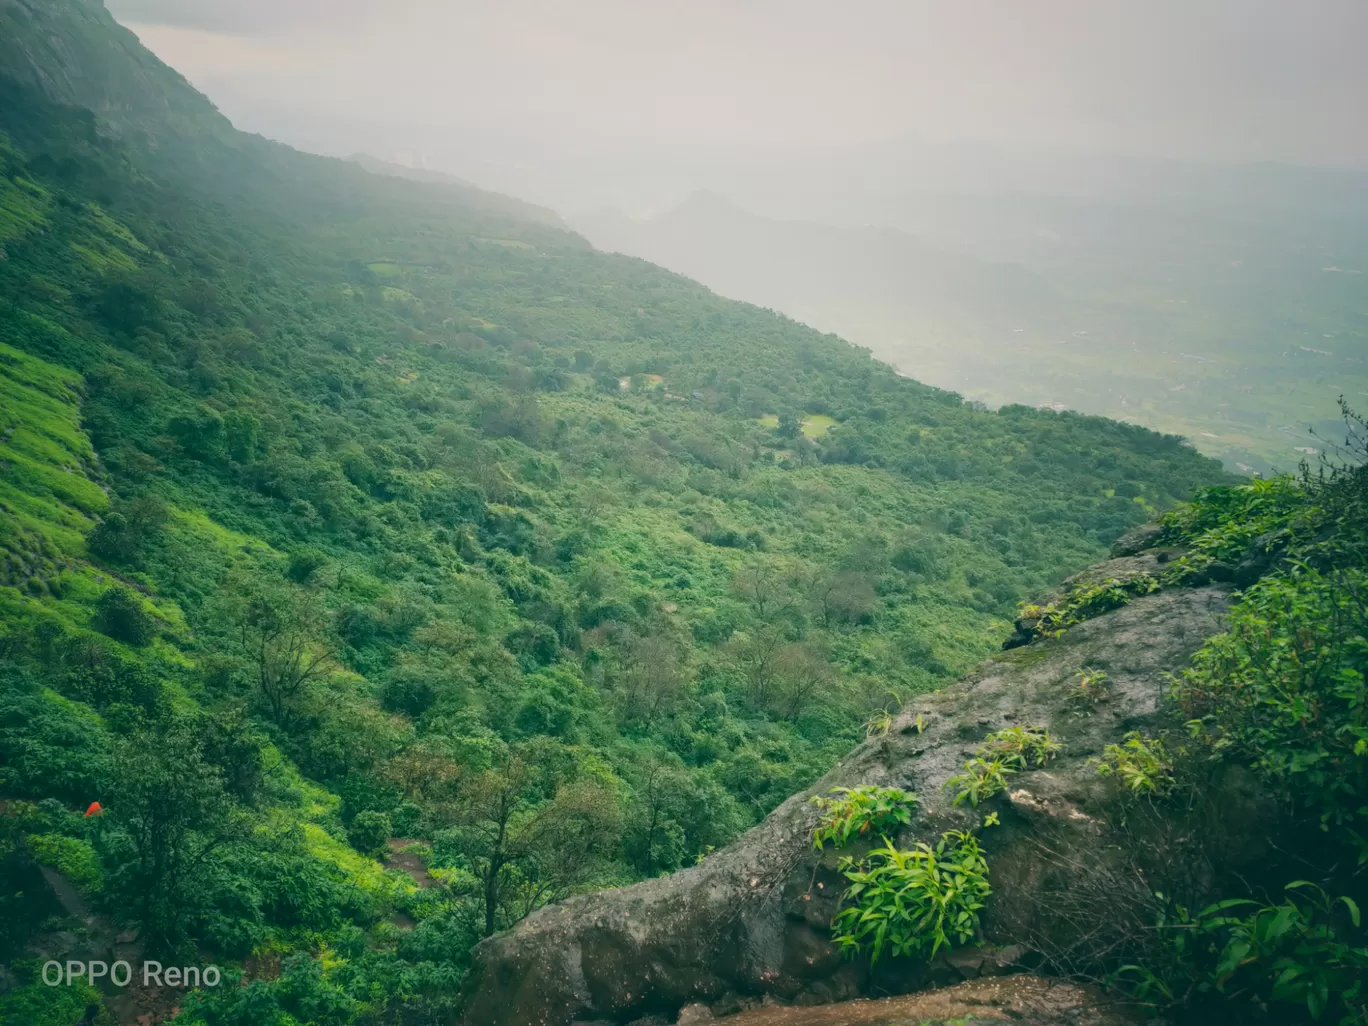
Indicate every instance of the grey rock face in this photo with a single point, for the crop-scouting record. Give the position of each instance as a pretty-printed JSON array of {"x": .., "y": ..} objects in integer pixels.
[{"x": 749, "y": 925}]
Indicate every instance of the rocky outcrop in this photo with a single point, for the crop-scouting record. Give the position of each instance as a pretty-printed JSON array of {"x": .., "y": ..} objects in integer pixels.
[{"x": 750, "y": 924}]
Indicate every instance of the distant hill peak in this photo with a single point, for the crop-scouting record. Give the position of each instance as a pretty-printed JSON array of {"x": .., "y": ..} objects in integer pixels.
[
  {"x": 76, "y": 54},
  {"x": 520, "y": 208},
  {"x": 708, "y": 202}
]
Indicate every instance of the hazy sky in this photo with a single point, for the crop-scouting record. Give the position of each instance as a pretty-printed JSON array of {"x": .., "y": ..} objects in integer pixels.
[{"x": 1213, "y": 79}]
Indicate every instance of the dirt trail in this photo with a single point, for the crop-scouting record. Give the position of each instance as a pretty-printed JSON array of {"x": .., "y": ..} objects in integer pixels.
[
  {"x": 98, "y": 939},
  {"x": 1021, "y": 1000}
]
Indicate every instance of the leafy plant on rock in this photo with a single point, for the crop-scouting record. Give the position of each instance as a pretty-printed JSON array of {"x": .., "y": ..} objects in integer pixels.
[
  {"x": 1002, "y": 754},
  {"x": 1083, "y": 602},
  {"x": 1091, "y": 687},
  {"x": 1141, "y": 765},
  {"x": 913, "y": 902},
  {"x": 860, "y": 810}
]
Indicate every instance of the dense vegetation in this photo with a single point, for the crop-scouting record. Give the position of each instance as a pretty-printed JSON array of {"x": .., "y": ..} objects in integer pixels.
[
  {"x": 342, "y": 515},
  {"x": 1268, "y": 725},
  {"x": 1282, "y": 691}
]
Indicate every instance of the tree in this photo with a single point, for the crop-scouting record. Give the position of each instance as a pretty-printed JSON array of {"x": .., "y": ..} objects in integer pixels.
[
  {"x": 369, "y": 832},
  {"x": 654, "y": 837},
  {"x": 801, "y": 673},
  {"x": 755, "y": 656},
  {"x": 769, "y": 592},
  {"x": 280, "y": 631},
  {"x": 170, "y": 813},
  {"x": 845, "y": 597},
  {"x": 650, "y": 679},
  {"x": 782, "y": 677},
  {"x": 119, "y": 613},
  {"x": 127, "y": 529},
  {"x": 524, "y": 851}
]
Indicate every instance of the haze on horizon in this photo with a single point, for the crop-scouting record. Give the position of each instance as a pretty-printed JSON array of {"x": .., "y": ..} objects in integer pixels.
[{"x": 554, "y": 98}]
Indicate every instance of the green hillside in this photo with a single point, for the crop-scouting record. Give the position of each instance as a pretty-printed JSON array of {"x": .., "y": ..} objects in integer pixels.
[{"x": 328, "y": 524}]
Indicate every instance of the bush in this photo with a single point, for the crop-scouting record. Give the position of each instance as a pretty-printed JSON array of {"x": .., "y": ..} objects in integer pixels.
[
  {"x": 1140, "y": 765},
  {"x": 304, "y": 564},
  {"x": 369, "y": 831},
  {"x": 49, "y": 747},
  {"x": 1002, "y": 754},
  {"x": 859, "y": 811},
  {"x": 1283, "y": 688},
  {"x": 1289, "y": 954},
  {"x": 120, "y": 614},
  {"x": 913, "y": 902},
  {"x": 74, "y": 857}
]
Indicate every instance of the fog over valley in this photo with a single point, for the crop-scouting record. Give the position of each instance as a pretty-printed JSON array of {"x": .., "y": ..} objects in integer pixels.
[{"x": 1158, "y": 213}]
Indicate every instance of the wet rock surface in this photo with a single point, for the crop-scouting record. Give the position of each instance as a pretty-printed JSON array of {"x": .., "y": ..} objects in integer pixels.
[{"x": 750, "y": 923}]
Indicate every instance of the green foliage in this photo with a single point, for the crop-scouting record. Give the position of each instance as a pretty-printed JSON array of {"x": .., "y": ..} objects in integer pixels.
[
  {"x": 49, "y": 746},
  {"x": 1091, "y": 687},
  {"x": 369, "y": 832},
  {"x": 1141, "y": 766},
  {"x": 1284, "y": 688},
  {"x": 1295, "y": 956},
  {"x": 912, "y": 902},
  {"x": 1002, "y": 754},
  {"x": 1020, "y": 748},
  {"x": 1224, "y": 523},
  {"x": 33, "y": 1003},
  {"x": 120, "y": 614},
  {"x": 74, "y": 857},
  {"x": 861, "y": 810},
  {"x": 1085, "y": 601}
]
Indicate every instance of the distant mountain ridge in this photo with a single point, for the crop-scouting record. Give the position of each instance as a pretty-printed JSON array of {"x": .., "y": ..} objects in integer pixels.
[
  {"x": 376, "y": 166},
  {"x": 792, "y": 264}
]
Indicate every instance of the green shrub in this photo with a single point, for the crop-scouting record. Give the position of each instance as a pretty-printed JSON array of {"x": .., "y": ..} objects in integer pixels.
[
  {"x": 1224, "y": 523},
  {"x": 369, "y": 831},
  {"x": 1091, "y": 687},
  {"x": 1083, "y": 602},
  {"x": 1140, "y": 765},
  {"x": 982, "y": 779},
  {"x": 73, "y": 857},
  {"x": 913, "y": 902},
  {"x": 859, "y": 811},
  {"x": 49, "y": 746},
  {"x": 35, "y": 1004},
  {"x": 1285, "y": 688},
  {"x": 120, "y": 614},
  {"x": 1289, "y": 954},
  {"x": 1019, "y": 748},
  {"x": 1002, "y": 754}
]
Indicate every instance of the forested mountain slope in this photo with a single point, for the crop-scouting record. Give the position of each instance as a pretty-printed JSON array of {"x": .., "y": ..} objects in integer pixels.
[{"x": 341, "y": 511}]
